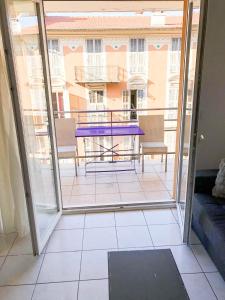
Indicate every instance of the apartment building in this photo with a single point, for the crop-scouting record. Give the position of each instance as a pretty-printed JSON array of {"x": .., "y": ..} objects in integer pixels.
[{"x": 113, "y": 62}]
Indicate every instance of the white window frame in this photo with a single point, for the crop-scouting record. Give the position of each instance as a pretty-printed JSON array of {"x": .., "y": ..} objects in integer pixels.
[{"x": 175, "y": 56}]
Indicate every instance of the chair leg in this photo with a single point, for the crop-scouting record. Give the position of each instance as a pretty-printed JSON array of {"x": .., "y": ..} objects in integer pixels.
[
  {"x": 162, "y": 158},
  {"x": 139, "y": 154},
  {"x": 75, "y": 163},
  {"x": 143, "y": 168},
  {"x": 78, "y": 161},
  {"x": 166, "y": 163}
]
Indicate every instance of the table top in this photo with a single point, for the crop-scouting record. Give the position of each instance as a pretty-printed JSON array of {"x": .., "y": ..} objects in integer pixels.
[{"x": 108, "y": 131}]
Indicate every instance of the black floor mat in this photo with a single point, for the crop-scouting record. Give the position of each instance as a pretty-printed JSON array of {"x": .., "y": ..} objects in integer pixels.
[{"x": 144, "y": 275}]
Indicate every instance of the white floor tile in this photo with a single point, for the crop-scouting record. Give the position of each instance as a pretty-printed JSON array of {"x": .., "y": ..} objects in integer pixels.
[
  {"x": 127, "y": 177},
  {"x": 107, "y": 188},
  {"x": 153, "y": 186},
  {"x": 148, "y": 177},
  {"x": 23, "y": 292},
  {"x": 100, "y": 238},
  {"x": 165, "y": 235},
  {"x": 203, "y": 258},
  {"x": 107, "y": 198},
  {"x": 68, "y": 180},
  {"x": 71, "y": 222},
  {"x": 185, "y": 259},
  {"x": 94, "y": 290},
  {"x": 81, "y": 200},
  {"x": 83, "y": 189},
  {"x": 22, "y": 269},
  {"x": 94, "y": 264},
  {"x": 64, "y": 266},
  {"x": 129, "y": 218},
  {"x": 106, "y": 178},
  {"x": 6, "y": 242},
  {"x": 22, "y": 246},
  {"x": 218, "y": 284},
  {"x": 66, "y": 190},
  {"x": 99, "y": 220},
  {"x": 158, "y": 196},
  {"x": 129, "y": 187},
  {"x": 65, "y": 240},
  {"x": 56, "y": 291},
  {"x": 198, "y": 287},
  {"x": 133, "y": 197},
  {"x": 159, "y": 216},
  {"x": 133, "y": 236},
  {"x": 89, "y": 179},
  {"x": 175, "y": 214}
]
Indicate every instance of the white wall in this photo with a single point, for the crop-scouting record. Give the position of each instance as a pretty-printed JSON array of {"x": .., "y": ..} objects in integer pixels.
[{"x": 212, "y": 98}]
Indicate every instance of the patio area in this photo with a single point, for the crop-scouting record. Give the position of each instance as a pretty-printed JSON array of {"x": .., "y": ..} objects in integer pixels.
[{"x": 97, "y": 189}]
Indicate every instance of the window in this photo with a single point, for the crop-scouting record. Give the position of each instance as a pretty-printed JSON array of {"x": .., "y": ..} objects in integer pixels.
[
  {"x": 53, "y": 45},
  {"x": 125, "y": 99},
  {"x": 137, "y": 45},
  {"x": 172, "y": 102},
  {"x": 175, "y": 55},
  {"x": 176, "y": 44},
  {"x": 94, "y": 46},
  {"x": 57, "y": 103},
  {"x": 96, "y": 97}
]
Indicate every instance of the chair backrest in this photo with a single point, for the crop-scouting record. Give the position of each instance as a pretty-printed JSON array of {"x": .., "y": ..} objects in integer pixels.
[
  {"x": 187, "y": 129},
  {"x": 153, "y": 127},
  {"x": 65, "y": 132}
]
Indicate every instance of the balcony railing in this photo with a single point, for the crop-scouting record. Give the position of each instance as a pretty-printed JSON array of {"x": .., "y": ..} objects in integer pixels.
[
  {"x": 107, "y": 117},
  {"x": 89, "y": 74}
]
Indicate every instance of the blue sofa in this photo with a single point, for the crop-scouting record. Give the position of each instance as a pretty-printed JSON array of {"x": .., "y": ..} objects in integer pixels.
[{"x": 208, "y": 218}]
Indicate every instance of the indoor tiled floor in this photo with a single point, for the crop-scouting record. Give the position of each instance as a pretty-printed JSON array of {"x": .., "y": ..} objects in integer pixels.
[
  {"x": 119, "y": 187},
  {"x": 74, "y": 263}
]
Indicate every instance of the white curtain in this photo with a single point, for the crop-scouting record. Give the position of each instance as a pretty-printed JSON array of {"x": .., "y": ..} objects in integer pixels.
[{"x": 13, "y": 211}]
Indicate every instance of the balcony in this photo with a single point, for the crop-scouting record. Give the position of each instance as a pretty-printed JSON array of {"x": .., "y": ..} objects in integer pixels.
[
  {"x": 111, "y": 185},
  {"x": 97, "y": 74}
]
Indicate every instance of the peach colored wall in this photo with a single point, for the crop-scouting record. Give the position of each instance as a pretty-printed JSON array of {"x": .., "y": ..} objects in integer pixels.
[{"x": 157, "y": 67}]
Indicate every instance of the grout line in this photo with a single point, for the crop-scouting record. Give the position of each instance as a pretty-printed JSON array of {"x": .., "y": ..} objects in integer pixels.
[
  {"x": 117, "y": 240},
  {"x": 148, "y": 229},
  {"x": 203, "y": 271},
  {"x": 7, "y": 253},
  {"x": 44, "y": 254},
  {"x": 82, "y": 247}
]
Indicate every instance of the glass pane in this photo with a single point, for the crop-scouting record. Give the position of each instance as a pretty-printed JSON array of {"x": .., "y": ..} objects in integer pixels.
[
  {"x": 33, "y": 107},
  {"x": 90, "y": 46},
  {"x": 187, "y": 115}
]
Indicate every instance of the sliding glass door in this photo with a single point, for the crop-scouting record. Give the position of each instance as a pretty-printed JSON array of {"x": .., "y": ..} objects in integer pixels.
[
  {"x": 24, "y": 38},
  {"x": 189, "y": 113}
]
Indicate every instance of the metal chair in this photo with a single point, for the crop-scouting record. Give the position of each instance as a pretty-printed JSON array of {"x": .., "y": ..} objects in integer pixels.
[
  {"x": 66, "y": 141},
  {"x": 152, "y": 142}
]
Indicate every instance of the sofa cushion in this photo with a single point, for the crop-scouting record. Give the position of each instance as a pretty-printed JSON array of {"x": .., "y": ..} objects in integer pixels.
[
  {"x": 210, "y": 213},
  {"x": 205, "y": 181}
]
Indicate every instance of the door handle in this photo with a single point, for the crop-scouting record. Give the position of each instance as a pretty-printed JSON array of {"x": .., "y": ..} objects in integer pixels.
[{"x": 201, "y": 137}]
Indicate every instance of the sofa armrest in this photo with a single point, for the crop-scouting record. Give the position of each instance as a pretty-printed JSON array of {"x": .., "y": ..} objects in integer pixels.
[{"x": 205, "y": 181}]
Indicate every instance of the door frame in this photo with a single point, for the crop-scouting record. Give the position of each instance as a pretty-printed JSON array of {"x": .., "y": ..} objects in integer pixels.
[
  {"x": 185, "y": 223},
  {"x": 37, "y": 243}
]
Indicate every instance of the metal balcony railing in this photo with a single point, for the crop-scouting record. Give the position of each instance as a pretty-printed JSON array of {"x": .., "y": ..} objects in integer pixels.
[{"x": 89, "y": 74}]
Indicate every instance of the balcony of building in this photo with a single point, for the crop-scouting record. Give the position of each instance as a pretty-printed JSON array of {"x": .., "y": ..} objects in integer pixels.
[
  {"x": 97, "y": 74},
  {"x": 107, "y": 177}
]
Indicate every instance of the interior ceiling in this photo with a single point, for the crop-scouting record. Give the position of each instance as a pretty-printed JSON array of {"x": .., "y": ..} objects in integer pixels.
[{"x": 112, "y": 6}]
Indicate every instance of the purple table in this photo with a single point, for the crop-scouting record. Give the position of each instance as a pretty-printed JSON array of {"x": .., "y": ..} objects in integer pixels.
[{"x": 108, "y": 131}]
